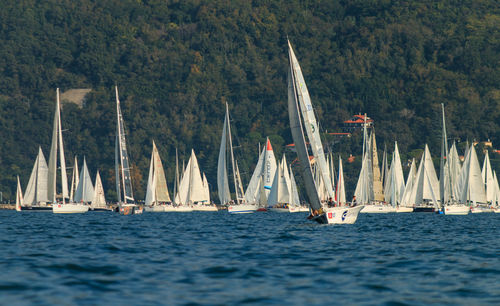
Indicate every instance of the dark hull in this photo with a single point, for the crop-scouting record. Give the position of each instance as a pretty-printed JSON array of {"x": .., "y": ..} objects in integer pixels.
[
  {"x": 424, "y": 209},
  {"x": 36, "y": 208},
  {"x": 100, "y": 209}
]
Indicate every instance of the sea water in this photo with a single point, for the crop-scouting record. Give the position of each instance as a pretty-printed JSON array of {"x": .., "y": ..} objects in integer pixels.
[{"x": 208, "y": 258}]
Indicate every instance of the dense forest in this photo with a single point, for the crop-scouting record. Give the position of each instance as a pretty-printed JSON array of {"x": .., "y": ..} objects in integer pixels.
[{"x": 177, "y": 63}]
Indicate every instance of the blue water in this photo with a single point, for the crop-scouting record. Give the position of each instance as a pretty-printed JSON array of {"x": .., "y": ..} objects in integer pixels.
[{"x": 261, "y": 258}]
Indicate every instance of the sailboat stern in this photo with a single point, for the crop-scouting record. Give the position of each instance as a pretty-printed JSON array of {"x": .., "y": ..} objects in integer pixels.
[{"x": 339, "y": 215}]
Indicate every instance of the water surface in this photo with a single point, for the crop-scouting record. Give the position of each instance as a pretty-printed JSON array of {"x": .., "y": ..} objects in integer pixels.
[{"x": 211, "y": 258}]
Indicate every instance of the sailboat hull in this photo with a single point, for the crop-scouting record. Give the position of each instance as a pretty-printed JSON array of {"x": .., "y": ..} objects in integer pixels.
[
  {"x": 378, "y": 209},
  {"x": 404, "y": 209},
  {"x": 180, "y": 208},
  {"x": 70, "y": 208},
  {"x": 241, "y": 209},
  {"x": 339, "y": 215},
  {"x": 480, "y": 209},
  {"x": 36, "y": 208},
  {"x": 154, "y": 208},
  {"x": 280, "y": 209},
  {"x": 205, "y": 208},
  {"x": 456, "y": 210}
]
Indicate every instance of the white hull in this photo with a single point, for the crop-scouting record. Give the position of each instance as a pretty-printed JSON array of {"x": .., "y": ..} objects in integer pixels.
[
  {"x": 404, "y": 209},
  {"x": 241, "y": 209},
  {"x": 342, "y": 215},
  {"x": 480, "y": 209},
  {"x": 205, "y": 208},
  {"x": 294, "y": 209},
  {"x": 72, "y": 208},
  {"x": 280, "y": 209},
  {"x": 456, "y": 209},
  {"x": 496, "y": 210},
  {"x": 155, "y": 208},
  {"x": 180, "y": 208},
  {"x": 378, "y": 209}
]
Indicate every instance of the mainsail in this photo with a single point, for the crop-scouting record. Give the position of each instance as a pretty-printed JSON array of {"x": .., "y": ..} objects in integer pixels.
[
  {"x": 156, "y": 190},
  {"x": 297, "y": 92},
  {"x": 99, "y": 201},
  {"x": 265, "y": 170},
  {"x": 84, "y": 190},
  {"x": 122, "y": 167},
  {"x": 36, "y": 190}
]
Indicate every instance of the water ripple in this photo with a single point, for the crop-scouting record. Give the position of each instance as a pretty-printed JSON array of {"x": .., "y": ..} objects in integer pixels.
[{"x": 263, "y": 258}]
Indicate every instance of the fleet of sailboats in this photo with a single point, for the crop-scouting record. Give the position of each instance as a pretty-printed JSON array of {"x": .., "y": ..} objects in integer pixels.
[{"x": 460, "y": 189}]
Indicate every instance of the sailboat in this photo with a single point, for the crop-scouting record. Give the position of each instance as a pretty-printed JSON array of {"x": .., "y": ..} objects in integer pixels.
[
  {"x": 205, "y": 205},
  {"x": 395, "y": 183},
  {"x": 299, "y": 103},
  {"x": 280, "y": 196},
  {"x": 425, "y": 191},
  {"x": 448, "y": 177},
  {"x": 489, "y": 183},
  {"x": 57, "y": 145},
  {"x": 36, "y": 193},
  {"x": 19, "y": 196},
  {"x": 369, "y": 190},
  {"x": 178, "y": 206},
  {"x": 471, "y": 185},
  {"x": 85, "y": 190},
  {"x": 99, "y": 201},
  {"x": 192, "y": 191},
  {"x": 262, "y": 178},
  {"x": 126, "y": 202},
  {"x": 238, "y": 205},
  {"x": 405, "y": 205},
  {"x": 156, "y": 191}
]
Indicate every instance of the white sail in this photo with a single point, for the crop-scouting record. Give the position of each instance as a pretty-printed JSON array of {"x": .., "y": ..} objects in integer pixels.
[
  {"x": 487, "y": 175},
  {"x": 426, "y": 185},
  {"x": 19, "y": 196},
  {"x": 191, "y": 188},
  {"x": 36, "y": 190},
  {"x": 122, "y": 166},
  {"x": 84, "y": 190},
  {"x": 57, "y": 145},
  {"x": 74, "y": 180},
  {"x": 304, "y": 102},
  {"x": 340, "y": 190},
  {"x": 99, "y": 200},
  {"x": 158, "y": 178},
  {"x": 206, "y": 187},
  {"x": 294, "y": 95},
  {"x": 395, "y": 186},
  {"x": 281, "y": 188},
  {"x": 295, "y": 200},
  {"x": 410, "y": 182},
  {"x": 265, "y": 169},
  {"x": 151, "y": 187},
  {"x": 222, "y": 178},
  {"x": 470, "y": 183},
  {"x": 455, "y": 168}
]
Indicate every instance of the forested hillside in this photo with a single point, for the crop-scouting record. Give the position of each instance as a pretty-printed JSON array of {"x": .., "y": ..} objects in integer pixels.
[{"x": 177, "y": 63}]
